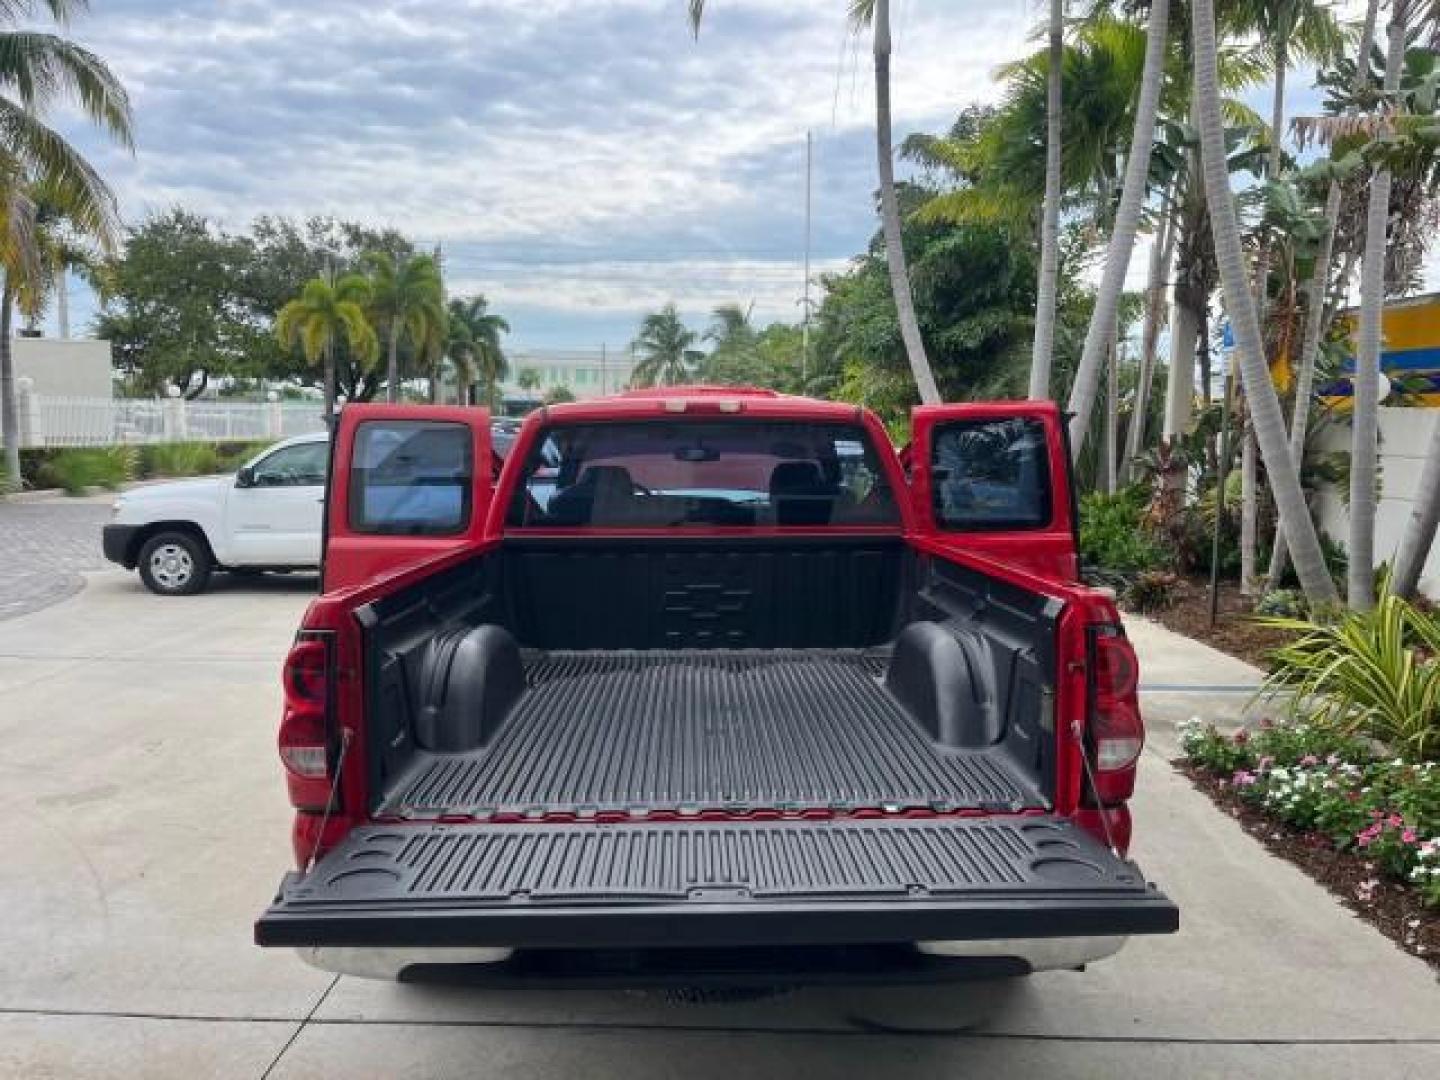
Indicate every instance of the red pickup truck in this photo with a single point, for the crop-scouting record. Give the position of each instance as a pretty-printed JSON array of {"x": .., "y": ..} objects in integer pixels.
[{"x": 700, "y": 685}]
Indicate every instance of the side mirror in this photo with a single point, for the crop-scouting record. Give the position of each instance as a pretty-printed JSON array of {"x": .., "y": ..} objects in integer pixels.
[{"x": 245, "y": 478}]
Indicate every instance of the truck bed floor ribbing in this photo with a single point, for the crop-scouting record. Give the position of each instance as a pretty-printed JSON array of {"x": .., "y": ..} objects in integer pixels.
[{"x": 690, "y": 731}]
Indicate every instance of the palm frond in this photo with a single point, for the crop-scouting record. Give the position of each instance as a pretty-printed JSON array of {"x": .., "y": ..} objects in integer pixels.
[{"x": 44, "y": 69}]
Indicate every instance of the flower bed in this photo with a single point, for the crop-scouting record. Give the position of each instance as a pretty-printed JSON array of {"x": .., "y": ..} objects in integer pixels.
[{"x": 1366, "y": 825}]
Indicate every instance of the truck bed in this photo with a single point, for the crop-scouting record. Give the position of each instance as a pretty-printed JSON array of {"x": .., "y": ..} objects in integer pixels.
[{"x": 689, "y": 731}]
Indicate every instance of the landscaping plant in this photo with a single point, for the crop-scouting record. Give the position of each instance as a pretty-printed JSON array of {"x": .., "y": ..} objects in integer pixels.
[
  {"x": 78, "y": 470},
  {"x": 1373, "y": 673},
  {"x": 1321, "y": 780}
]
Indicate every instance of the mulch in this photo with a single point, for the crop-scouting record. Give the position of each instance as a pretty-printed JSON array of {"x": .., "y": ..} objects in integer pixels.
[
  {"x": 1235, "y": 632},
  {"x": 1393, "y": 908}
]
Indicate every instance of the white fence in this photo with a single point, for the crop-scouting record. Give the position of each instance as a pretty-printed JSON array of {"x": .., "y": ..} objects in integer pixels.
[
  {"x": 71, "y": 421},
  {"x": 1404, "y": 438}
]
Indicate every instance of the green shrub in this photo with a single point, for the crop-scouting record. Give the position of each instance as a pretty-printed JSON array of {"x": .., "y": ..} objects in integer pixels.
[
  {"x": 178, "y": 459},
  {"x": 1113, "y": 536},
  {"x": 229, "y": 456},
  {"x": 1152, "y": 591},
  {"x": 1373, "y": 673},
  {"x": 1283, "y": 604},
  {"x": 1220, "y": 754},
  {"x": 76, "y": 470}
]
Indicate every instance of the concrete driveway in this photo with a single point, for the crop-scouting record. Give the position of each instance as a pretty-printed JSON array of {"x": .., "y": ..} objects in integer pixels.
[{"x": 146, "y": 827}]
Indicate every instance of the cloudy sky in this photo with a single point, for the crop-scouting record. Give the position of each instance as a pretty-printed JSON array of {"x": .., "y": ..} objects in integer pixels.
[{"x": 580, "y": 161}]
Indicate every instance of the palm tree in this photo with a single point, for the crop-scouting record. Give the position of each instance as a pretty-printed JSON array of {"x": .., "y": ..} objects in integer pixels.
[
  {"x": 1047, "y": 288},
  {"x": 1250, "y": 348},
  {"x": 37, "y": 71},
  {"x": 1122, "y": 237},
  {"x": 664, "y": 345},
  {"x": 1316, "y": 295},
  {"x": 407, "y": 301},
  {"x": 323, "y": 316},
  {"x": 876, "y": 14},
  {"x": 474, "y": 347},
  {"x": 1360, "y": 577}
]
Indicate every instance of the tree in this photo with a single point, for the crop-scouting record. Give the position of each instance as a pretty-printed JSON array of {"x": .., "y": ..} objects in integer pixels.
[
  {"x": 321, "y": 317},
  {"x": 175, "y": 307},
  {"x": 38, "y": 71},
  {"x": 876, "y": 14},
  {"x": 1047, "y": 290},
  {"x": 1250, "y": 350},
  {"x": 1364, "y": 449},
  {"x": 529, "y": 379},
  {"x": 559, "y": 395},
  {"x": 664, "y": 345},
  {"x": 406, "y": 302},
  {"x": 474, "y": 347},
  {"x": 735, "y": 358},
  {"x": 1122, "y": 236}
]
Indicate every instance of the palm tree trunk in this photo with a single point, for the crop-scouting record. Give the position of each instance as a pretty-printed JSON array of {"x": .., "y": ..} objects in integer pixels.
[
  {"x": 1249, "y": 479},
  {"x": 1305, "y": 375},
  {"x": 392, "y": 366},
  {"x": 9, "y": 415},
  {"x": 1047, "y": 289},
  {"x": 1160, "y": 258},
  {"x": 890, "y": 215},
  {"x": 1250, "y": 349},
  {"x": 1364, "y": 449},
  {"x": 330, "y": 386},
  {"x": 1249, "y": 509},
  {"x": 1122, "y": 238},
  {"x": 1319, "y": 310},
  {"x": 1110, "y": 440}
]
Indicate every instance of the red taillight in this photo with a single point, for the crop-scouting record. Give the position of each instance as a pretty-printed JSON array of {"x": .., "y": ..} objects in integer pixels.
[
  {"x": 304, "y": 735},
  {"x": 305, "y": 675},
  {"x": 1117, "y": 734}
]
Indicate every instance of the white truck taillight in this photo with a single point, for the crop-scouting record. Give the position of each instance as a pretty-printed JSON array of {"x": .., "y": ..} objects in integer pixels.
[
  {"x": 304, "y": 728},
  {"x": 1117, "y": 734}
]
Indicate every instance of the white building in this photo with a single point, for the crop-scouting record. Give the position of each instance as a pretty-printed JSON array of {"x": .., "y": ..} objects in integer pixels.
[{"x": 586, "y": 373}]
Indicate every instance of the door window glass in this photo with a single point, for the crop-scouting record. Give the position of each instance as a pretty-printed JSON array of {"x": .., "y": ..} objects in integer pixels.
[
  {"x": 991, "y": 474},
  {"x": 301, "y": 465},
  {"x": 411, "y": 478}
]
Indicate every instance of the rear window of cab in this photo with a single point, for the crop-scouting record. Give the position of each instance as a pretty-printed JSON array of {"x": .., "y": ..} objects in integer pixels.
[{"x": 679, "y": 473}]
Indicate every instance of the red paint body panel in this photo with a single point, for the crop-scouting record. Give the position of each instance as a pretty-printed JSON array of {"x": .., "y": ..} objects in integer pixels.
[
  {"x": 1048, "y": 551},
  {"x": 352, "y": 558}
]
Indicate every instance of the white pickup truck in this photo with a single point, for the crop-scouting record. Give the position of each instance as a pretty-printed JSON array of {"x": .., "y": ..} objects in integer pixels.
[{"x": 265, "y": 517}]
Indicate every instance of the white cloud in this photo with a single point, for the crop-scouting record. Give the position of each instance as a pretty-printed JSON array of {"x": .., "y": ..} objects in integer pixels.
[{"x": 538, "y": 126}]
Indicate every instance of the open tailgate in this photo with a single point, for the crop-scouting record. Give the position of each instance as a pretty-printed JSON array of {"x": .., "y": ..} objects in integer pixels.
[{"x": 713, "y": 884}]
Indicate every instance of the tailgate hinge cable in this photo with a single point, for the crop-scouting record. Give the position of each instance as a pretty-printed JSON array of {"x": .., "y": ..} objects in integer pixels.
[
  {"x": 330, "y": 802},
  {"x": 1094, "y": 790}
]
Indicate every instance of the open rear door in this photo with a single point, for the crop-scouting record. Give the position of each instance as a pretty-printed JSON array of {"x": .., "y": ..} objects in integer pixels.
[
  {"x": 993, "y": 479},
  {"x": 407, "y": 483}
]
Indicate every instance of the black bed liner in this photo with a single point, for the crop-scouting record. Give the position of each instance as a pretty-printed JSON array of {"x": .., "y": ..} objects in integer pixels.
[
  {"x": 710, "y": 884},
  {"x": 686, "y": 731}
]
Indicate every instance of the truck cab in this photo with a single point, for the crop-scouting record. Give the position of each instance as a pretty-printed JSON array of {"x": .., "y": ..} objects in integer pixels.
[{"x": 702, "y": 686}]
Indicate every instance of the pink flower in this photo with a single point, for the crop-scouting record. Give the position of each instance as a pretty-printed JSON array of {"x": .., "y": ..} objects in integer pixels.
[
  {"x": 1309, "y": 760},
  {"x": 1243, "y": 778},
  {"x": 1241, "y": 738},
  {"x": 1266, "y": 762},
  {"x": 1395, "y": 821},
  {"x": 1408, "y": 836}
]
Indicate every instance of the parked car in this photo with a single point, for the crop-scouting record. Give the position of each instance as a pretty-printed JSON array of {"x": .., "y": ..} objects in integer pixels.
[
  {"x": 702, "y": 689},
  {"x": 265, "y": 517}
]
